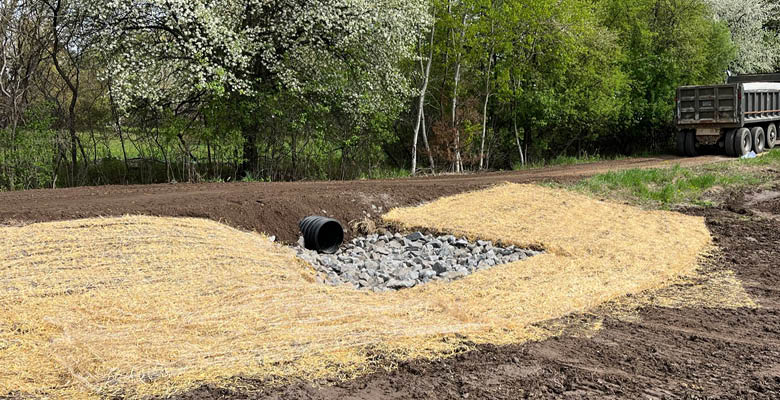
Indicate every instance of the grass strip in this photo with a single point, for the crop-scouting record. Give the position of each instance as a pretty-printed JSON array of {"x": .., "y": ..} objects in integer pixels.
[{"x": 666, "y": 187}]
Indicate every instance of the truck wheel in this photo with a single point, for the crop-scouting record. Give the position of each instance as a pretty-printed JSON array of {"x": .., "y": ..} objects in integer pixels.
[
  {"x": 681, "y": 143},
  {"x": 743, "y": 142},
  {"x": 759, "y": 139},
  {"x": 729, "y": 142},
  {"x": 690, "y": 144},
  {"x": 771, "y": 136}
]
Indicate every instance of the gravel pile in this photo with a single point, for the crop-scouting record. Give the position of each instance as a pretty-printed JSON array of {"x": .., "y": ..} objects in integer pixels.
[{"x": 393, "y": 262}]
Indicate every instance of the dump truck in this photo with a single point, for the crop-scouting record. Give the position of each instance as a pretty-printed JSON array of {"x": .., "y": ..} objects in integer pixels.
[{"x": 738, "y": 117}]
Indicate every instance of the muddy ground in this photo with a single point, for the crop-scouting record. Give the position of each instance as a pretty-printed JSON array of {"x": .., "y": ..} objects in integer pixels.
[
  {"x": 275, "y": 208},
  {"x": 701, "y": 353}
]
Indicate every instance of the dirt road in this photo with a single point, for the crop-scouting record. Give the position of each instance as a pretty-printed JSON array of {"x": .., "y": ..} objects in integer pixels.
[{"x": 275, "y": 208}]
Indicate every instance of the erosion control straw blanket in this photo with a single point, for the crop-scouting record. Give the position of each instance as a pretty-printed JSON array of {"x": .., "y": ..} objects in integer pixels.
[{"x": 136, "y": 306}]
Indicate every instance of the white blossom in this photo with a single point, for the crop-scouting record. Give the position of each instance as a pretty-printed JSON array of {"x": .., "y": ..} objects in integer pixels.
[
  {"x": 758, "y": 49},
  {"x": 346, "y": 50}
]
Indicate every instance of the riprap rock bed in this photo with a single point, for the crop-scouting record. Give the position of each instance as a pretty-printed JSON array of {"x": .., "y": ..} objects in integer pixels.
[{"x": 392, "y": 262}]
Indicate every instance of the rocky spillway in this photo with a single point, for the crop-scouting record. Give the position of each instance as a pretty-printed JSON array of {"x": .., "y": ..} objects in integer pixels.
[{"x": 393, "y": 262}]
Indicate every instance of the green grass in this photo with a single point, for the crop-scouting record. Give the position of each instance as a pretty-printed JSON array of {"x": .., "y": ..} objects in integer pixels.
[
  {"x": 385, "y": 173},
  {"x": 664, "y": 187},
  {"x": 569, "y": 160}
]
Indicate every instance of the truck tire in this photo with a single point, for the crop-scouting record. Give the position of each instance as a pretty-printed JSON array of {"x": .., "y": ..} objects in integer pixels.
[
  {"x": 690, "y": 145},
  {"x": 771, "y": 136},
  {"x": 681, "y": 143},
  {"x": 759, "y": 139},
  {"x": 743, "y": 142},
  {"x": 729, "y": 142}
]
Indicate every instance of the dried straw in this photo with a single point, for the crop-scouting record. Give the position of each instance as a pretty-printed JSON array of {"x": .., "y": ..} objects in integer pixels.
[{"x": 139, "y": 306}]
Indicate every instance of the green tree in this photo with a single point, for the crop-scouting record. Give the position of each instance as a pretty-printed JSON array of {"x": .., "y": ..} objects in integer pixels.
[{"x": 667, "y": 43}]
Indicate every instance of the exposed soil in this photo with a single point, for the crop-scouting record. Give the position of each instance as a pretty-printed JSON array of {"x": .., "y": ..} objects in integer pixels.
[
  {"x": 667, "y": 353},
  {"x": 275, "y": 208},
  {"x": 694, "y": 353}
]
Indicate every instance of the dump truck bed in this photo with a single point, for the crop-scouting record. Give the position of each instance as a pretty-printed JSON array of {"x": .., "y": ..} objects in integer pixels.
[{"x": 731, "y": 105}]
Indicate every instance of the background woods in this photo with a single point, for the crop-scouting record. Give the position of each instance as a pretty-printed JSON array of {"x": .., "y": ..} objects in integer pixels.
[{"x": 98, "y": 92}]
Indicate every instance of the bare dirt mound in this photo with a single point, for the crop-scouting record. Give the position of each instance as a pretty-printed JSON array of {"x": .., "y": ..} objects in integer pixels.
[
  {"x": 275, "y": 208},
  {"x": 690, "y": 353}
]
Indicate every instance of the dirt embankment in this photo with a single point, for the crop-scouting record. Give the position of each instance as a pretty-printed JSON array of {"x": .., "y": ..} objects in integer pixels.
[
  {"x": 690, "y": 353},
  {"x": 275, "y": 208}
]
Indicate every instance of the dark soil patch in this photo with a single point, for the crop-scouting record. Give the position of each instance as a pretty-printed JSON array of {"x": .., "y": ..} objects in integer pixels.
[
  {"x": 276, "y": 208},
  {"x": 704, "y": 353},
  {"x": 669, "y": 353}
]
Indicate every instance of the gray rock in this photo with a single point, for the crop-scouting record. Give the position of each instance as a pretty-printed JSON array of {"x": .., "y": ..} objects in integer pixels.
[
  {"x": 400, "y": 284},
  {"x": 415, "y": 236},
  {"x": 382, "y": 262},
  {"x": 440, "y": 267},
  {"x": 453, "y": 275},
  {"x": 446, "y": 252},
  {"x": 428, "y": 273}
]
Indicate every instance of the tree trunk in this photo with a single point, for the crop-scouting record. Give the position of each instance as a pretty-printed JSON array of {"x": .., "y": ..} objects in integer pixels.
[
  {"x": 517, "y": 141},
  {"x": 458, "y": 161},
  {"x": 527, "y": 143},
  {"x": 118, "y": 127},
  {"x": 487, "y": 98},
  {"x": 12, "y": 167},
  {"x": 421, "y": 102},
  {"x": 454, "y": 119},
  {"x": 73, "y": 86},
  {"x": 427, "y": 147}
]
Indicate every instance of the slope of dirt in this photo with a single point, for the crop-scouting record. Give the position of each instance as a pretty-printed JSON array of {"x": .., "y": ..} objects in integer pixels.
[
  {"x": 690, "y": 353},
  {"x": 275, "y": 208}
]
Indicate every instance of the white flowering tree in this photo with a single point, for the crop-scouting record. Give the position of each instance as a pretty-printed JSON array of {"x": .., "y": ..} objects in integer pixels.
[
  {"x": 349, "y": 50},
  {"x": 345, "y": 55},
  {"x": 758, "y": 47}
]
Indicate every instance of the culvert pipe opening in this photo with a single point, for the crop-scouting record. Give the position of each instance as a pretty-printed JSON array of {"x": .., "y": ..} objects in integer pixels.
[{"x": 322, "y": 234}]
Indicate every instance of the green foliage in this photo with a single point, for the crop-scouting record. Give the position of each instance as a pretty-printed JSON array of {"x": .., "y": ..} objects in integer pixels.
[
  {"x": 324, "y": 90},
  {"x": 565, "y": 160},
  {"x": 385, "y": 173},
  {"x": 27, "y": 154},
  {"x": 666, "y": 44},
  {"x": 668, "y": 186}
]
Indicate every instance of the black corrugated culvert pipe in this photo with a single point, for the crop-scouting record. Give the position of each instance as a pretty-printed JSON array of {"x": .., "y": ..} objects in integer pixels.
[{"x": 322, "y": 234}]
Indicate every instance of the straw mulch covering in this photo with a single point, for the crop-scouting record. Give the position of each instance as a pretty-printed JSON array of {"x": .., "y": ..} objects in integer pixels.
[{"x": 136, "y": 306}]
